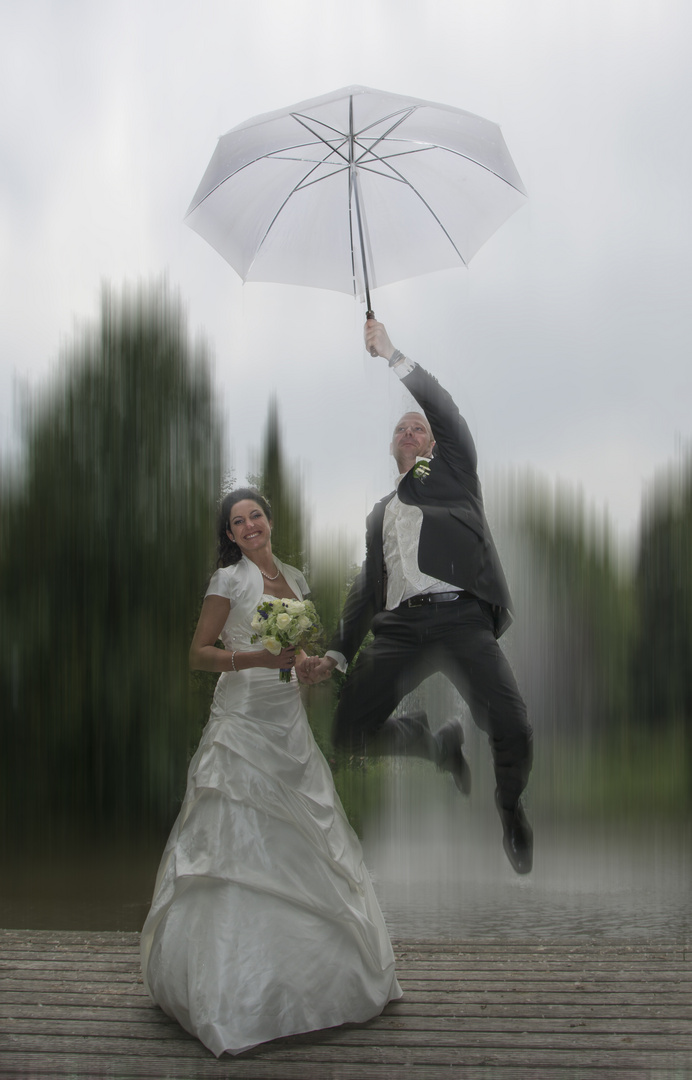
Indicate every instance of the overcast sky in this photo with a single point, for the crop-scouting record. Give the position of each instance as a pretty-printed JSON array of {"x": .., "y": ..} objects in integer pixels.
[{"x": 566, "y": 343}]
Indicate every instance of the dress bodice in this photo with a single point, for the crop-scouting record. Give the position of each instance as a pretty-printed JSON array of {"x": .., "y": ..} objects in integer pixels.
[{"x": 243, "y": 585}]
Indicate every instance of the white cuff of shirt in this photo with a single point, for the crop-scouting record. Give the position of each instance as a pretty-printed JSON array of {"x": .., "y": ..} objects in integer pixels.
[
  {"x": 403, "y": 366},
  {"x": 341, "y": 662}
]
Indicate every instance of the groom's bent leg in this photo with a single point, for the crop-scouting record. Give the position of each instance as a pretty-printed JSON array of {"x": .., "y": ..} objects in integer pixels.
[{"x": 385, "y": 671}]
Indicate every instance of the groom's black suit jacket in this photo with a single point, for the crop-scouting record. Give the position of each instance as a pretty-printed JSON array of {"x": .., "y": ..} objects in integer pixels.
[{"x": 455, "y": 542}]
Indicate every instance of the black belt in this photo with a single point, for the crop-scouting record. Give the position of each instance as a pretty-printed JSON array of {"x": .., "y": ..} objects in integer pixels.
[{"x": 430, "y": 598}]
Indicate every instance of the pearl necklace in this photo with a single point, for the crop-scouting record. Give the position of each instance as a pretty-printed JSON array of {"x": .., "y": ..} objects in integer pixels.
[{"x": 267, "y": 575}]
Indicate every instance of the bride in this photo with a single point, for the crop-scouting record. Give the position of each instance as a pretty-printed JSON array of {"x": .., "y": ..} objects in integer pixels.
[{"x": 264, "y": 922}]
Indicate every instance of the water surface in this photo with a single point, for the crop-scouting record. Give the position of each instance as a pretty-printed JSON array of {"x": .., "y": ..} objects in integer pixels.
[
  {"x": 439, "y": 871},
  {"x": 441, "y": 874}
]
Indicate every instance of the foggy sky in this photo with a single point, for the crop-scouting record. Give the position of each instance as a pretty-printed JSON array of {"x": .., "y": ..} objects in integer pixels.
[{"x": 567, "y": 341}]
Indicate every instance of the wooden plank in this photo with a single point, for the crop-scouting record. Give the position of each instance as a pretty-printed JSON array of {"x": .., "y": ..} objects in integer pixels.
[
  {"x": 455, "y": 1021},
  {"x": 322, "y": 1049},
  {"x": 244, "y": 1068},
  {"x": 134, "y": 1069},
  {"x": 418, "y": 991},
  {"x": 411, "y": 1009},
  {"x": 536, "y": 993},
  {"x": 644, "y": 981},
  {"x": 91, "y": 1032}
]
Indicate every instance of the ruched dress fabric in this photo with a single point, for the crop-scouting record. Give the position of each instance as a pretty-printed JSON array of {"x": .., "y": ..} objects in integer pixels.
[{"x": 264, "y": 922}]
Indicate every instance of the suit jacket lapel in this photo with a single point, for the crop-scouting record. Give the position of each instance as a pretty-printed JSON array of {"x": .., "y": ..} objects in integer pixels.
[{"x": 377, "y": 548}]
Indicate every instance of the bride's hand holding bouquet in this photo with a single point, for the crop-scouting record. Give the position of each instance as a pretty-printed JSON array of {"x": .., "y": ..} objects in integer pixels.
[{"x": 282, "y": 624}]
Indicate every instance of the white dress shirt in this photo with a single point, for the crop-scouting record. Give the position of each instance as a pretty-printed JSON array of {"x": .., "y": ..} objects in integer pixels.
[{"x": 400, "y": 539}]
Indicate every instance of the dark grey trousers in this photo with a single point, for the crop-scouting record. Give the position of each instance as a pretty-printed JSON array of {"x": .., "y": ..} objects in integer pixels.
[{"x": 457, "y": 639}]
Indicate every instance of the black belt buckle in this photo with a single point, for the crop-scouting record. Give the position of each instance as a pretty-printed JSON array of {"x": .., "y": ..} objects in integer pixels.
[{"x": 415, "y": 601}]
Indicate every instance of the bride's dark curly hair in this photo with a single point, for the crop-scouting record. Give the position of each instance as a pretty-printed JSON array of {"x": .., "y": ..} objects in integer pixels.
[{"x": 228, "y": 551}]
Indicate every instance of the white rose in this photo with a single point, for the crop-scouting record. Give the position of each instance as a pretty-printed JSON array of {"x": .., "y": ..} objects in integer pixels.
[
  {"x": 272, "y": 645},
  {"x": 283, "y": 621},
  {"x": 303, "y": 623},
  {"x": 296, "y": 607},
  {"x": 257, "y": 621}
]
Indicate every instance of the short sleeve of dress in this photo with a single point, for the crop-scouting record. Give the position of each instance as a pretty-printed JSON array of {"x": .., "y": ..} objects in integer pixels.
[
  {"x": 304, "y": 587},
  {"x": 219, "y": 584}
]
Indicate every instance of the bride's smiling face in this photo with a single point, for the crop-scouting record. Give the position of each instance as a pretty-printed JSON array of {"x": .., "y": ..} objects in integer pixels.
[{"x": 249, "y": 526}]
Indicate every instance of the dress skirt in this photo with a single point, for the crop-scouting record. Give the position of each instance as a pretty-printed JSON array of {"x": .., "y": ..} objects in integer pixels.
[{"x": 264, "y": 922}]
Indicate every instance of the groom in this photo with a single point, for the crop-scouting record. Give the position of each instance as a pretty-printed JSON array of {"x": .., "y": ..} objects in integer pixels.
[{"x": 433, "y": 593}]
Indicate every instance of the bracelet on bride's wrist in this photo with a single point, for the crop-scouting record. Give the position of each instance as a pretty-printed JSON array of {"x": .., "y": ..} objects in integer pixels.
[{"x": 233, "y": 660}]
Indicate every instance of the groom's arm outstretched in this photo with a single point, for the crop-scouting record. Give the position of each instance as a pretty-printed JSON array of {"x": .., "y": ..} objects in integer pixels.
[{"x": 359, "y": 608}]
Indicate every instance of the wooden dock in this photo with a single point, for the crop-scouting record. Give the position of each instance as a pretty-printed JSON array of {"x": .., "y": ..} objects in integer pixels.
[{"x": 72, "y": 1005}]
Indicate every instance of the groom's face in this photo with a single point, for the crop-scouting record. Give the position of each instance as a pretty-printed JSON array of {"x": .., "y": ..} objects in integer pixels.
[{"x": 412, "y": 438}]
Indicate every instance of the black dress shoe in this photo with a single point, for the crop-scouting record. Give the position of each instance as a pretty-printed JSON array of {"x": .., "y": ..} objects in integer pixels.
[
  {"x": 450, "y": 757},
  {"x": 518, "y": 835}
]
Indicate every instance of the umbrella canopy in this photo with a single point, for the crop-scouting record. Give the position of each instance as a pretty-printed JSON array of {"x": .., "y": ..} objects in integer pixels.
[{"x": 355, "y": 189}]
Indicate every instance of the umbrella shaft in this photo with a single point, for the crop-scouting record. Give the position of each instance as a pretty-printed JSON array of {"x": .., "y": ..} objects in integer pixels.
[{"x": 356, "y": 199}]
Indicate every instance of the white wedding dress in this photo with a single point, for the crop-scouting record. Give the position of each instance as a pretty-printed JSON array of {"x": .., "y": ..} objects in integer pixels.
[{"x": 264, "y": 922}]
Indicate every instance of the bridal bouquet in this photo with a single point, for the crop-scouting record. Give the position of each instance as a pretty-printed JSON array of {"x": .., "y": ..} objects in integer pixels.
[{"x": 279, "y": 623}]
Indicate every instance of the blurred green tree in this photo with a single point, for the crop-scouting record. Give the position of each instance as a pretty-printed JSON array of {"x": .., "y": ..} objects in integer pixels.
[
  {"x": 579, "y": 593},
  {"x": 106, "y": 539},
  {"x": 662, "y": 658},
  {"x": 603, "y": 643},
  {"x": 280, "y": 484}
]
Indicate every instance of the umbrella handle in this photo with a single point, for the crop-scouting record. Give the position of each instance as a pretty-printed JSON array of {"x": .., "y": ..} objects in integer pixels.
[{"x": 371, "y": 315}]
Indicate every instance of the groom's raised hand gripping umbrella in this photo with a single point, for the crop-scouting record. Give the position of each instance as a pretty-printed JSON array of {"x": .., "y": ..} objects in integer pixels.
[{"x": 355, "y": 189}]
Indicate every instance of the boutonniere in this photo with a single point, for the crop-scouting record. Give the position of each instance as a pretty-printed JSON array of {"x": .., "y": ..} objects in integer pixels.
[{"x": 421, "y": 471}]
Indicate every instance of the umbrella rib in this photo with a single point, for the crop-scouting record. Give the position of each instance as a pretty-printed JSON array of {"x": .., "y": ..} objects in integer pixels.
[
  {"x": 428, "y": 146},
  {"x": 425, "y": 203},
  {"x": 254, "y": 160},
  {"x": 344, "y": 138},
  {"x": 385, "y": 134},
  {"x": 445, "y": 150},
  {"x": 302, "y": 118},
  {"x": 296, "y": 187}
]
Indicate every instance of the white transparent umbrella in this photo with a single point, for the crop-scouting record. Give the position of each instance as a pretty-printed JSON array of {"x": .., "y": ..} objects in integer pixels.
[{"x": 355, "y": 189}]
